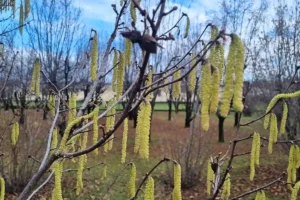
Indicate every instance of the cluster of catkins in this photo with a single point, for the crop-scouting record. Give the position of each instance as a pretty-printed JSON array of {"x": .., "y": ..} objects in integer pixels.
[{"x": 211, "y": 77}]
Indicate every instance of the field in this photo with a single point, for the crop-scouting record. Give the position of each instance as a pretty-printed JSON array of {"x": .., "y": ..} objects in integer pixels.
[{"x": 166, "y": 136}]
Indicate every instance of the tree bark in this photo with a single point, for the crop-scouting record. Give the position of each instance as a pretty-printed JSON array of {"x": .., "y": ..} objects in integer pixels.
[{"x": 221, "y": 128}]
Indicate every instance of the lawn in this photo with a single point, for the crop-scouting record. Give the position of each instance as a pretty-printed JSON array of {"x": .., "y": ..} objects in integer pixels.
[{"x": 167, "y": 135}]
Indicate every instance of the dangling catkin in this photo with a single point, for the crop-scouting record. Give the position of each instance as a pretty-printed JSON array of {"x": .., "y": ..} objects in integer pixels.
[
  {"x": 145, "y": 131},
  {"x": 149, "y": 189},
  {"x": 292, "y": 165},
  {"x": 284, "y": 118},
  {"x": 2, "y": 188},
  {"x": 255, "y": 152},
  {"x": 133, "y": 12},
  {"x": 239, "y": 75},
  {"x": 267, "y": 121},
  {"x": 66, "y": 134},
  {"x": 72, "y": 108},
  {"x": 57, "y": 191},
  {"x": 21, "y": 19},
  {"x": 229, "y": 87},
  {"x": 137, "y": 140},
  {"x": 281, "y": 96},
  {"x": 54, "y": 140},
  {"x": 273, "y": 133},
  {"x": 124, "y": 141},
  {"x": 187, "y": 28},
  {"x": 176, "y": 85},
  {"x": 95, "y": 127},
  {"x": 226, "y": 188},
  {"x": 27, "y": 8},
  {"x": 131, "y": 182},
  {"x": 205, "y": 91},
  {"x": 94, "y": 62},
  {"x": 120, "y": 75},
  {"x": 149, "y": 82},
  {"x": 192, "y": 75},
  {"x": 220, "y": 53},
  {"x": 15, "y": 134},
  {"x": 35, "y": 79},
  {"x": 209, "y": 178},
  {"x": 51, "y": 104},
  {"x": 214, "y": 91},
  {"x": 115, "y": 71},
  {"x": 112, "y": 123},
  {"x": 104, "y": 171},
  {"x": 79, "y": 184},
  {"x": 295, "y": 191},
  {"x": 128, "y": 50},
  {"x": 260, "y": 195},
  {"x": 177, "y": 182}
]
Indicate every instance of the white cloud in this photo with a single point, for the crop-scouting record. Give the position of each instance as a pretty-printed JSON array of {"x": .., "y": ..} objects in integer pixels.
[{"x": 96, "y": 10}]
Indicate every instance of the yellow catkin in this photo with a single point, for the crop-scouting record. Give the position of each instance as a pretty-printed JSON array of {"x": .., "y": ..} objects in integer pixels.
[
  {"x": 260, "y": 195},
  {"x": 2, "y": 188},
  {"x": 205, "y": 91},
  {"x": 112, "y": 117},
  {"x": 226, "y": 188},
  {"x": 51, "y": 104},
  {"x": 229, "y": 86},
  {"x": 295, "y": 191},
  {"x": 120, "y": 75},
  {"x": 149, "y": 189},
  {"x": 21, "y": 19},
  {"x": 220, "y": 53},
  {"x": 94, "y": 61},
  {"x": 177, "y": 182},
  {"x": 209, "y": 178},
  {"x": 239, "y": 75},
  {"x": 176, "y": 85},
  {"x": 95, "y": 127},
  {"x": 54, "y": 139},
  {"x": 267, "y": 121},
  {"x": 281, "y": 96},
  {"x": 187, "y": 28},
  {"x": 27, "y": 8},
  {"x": 192, "y": 75},
  {"x": 145, "y": 131},
  {"x": 124, "y": 141},
  {"x": 104, "y": 173},
  {"x": 115, "y": 71},
  {"x": 131, "y": 182},
  {"x": 72, "y": 107},
  {"x": 284, "y": 118},
  {"x": 293, "y": 165},
  {"x": 57, "y": 191},
  {"x": 66, "y": 134},
  {"x": 79, "y": 184},
  {"x": 84, "y": 140},
  {"x": 149, "y": 82},
  {"x": 35, "y": 80},
  {"x": 273, "y": 133},
  {"x": 137, "y": 140},
  {"x": 214, "y": 91},
  {"x": 133, "y": 12},
  {"x": 15, "y": 134},
  {"x": 255, "y": 151},
  {"x": 128, "y": 50}
]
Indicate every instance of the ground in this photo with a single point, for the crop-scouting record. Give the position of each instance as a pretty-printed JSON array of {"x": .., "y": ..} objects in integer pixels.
[{"x": 166, "y": 138}]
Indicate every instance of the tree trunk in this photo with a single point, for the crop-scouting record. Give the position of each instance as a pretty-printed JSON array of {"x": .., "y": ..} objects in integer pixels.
[
  {"x": 221, "y": 128},
  {"x": 170, "y": 109},
  {"x": 236, "y": 119}
]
